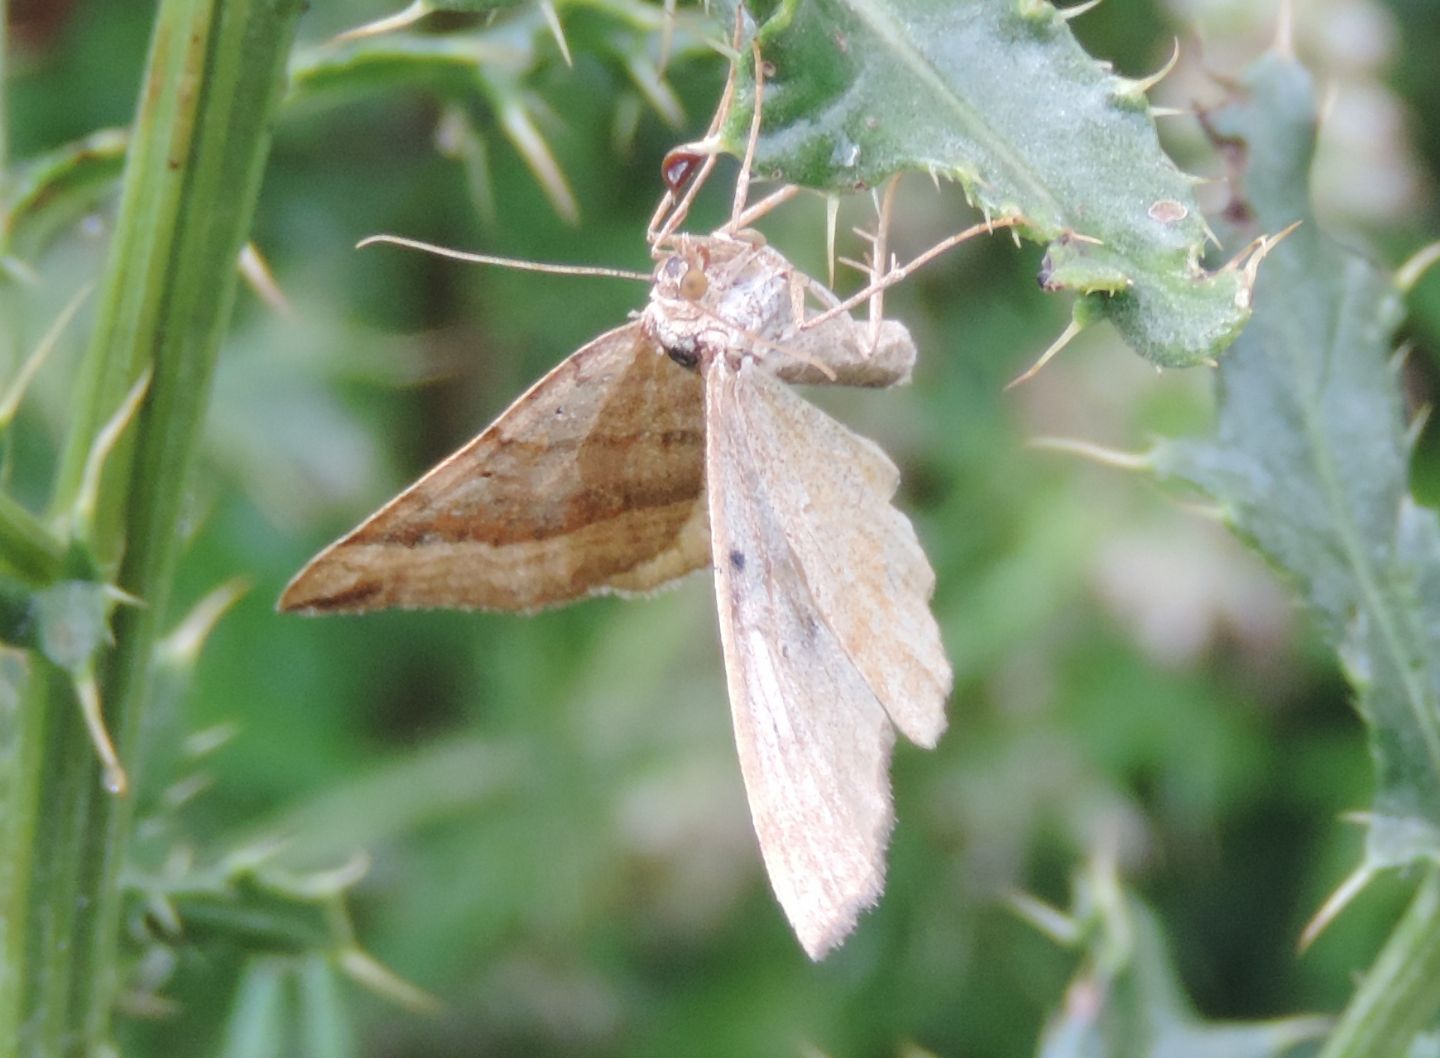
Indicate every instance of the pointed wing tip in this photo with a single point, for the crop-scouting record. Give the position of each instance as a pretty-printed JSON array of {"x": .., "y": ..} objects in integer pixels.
[
  {"x": 308, "y": 594},
  {"x": 819, "y": 946},
  {"x": 925, "y": 723},
  {"x": 930, "y": 737},
  {"x": 293, "y": 601},
  {"x": 820, "y": 938},
  {"x": 822, "y": 925}
]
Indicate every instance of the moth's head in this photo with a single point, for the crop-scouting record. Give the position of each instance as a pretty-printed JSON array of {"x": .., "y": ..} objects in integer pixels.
[
  {"x": 712, "y": 293},
  {"x": 703, "y": 268},
  {"x": 678, "y": 318}
]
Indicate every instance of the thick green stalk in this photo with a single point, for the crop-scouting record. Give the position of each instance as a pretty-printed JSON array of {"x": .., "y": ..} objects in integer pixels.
[
  {"x": 1400, "y": 994},
  {"x": 4, "y": 96},
  {"x": 191, "y": 179},
  {"x": 9, "y": 344},
  {"x": 27, "y": 548}
]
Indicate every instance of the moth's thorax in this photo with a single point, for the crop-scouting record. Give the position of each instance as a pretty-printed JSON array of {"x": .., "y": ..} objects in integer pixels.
[{"x": 715, "y": 295}]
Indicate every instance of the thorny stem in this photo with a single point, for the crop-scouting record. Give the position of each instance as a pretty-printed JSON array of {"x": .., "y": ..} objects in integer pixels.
[
  {"x": 4, "y": 97},
  {"x": 27, "y": 549},
  {"x": 9, "y": 342},
  {"x": 192, "y": 173}
]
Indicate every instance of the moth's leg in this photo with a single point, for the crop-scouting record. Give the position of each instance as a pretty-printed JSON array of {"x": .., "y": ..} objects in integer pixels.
[
  {"x": 880, "y": 260},
  {"x": 896, "y": 273},
  {"x": 764, "y": 206},
  {"x": 792, "y": 350},
  {"x": 819, "y": 291},
  {"x": 798, "y": 285},
  {"x": 832, "y": 215},
  {"x": 759, "y": 348},
  {"x": 672, "y": 211},
  {"x": 742, "y": 216},
  {"x": 877, "y": 265},
  {"x": 673, "y": 207},
  {"x": 742, "y": 182}
]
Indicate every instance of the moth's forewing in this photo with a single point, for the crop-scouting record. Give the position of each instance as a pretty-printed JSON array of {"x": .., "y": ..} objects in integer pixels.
[
  {"x": 866, "y": 572},
  {"x": 592, "y": 481},
  {"x": 813, "y": 733}
]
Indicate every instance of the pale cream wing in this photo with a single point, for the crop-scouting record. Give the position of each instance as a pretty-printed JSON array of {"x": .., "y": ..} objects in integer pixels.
[
  {"x": 592, "y": 481},
  {"x": 867, "y": 573},
  {"x": 814, "y": 741}
]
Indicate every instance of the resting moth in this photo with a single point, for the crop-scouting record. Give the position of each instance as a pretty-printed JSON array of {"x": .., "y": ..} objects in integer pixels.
[{"x": 674, "y": 442}]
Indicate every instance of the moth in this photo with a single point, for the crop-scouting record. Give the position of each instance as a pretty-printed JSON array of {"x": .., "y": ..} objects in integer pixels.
[{"x": 673, "y": 443}]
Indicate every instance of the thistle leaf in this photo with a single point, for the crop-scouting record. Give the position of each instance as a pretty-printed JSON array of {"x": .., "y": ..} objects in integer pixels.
[
  {"x": 1127, "y": 1000},
  {"x": 482, "y": 76},
  {"x": 997, "y": 95},
  {"x": 50, "y": 192},
  {"x": 1309, "y": 458}
]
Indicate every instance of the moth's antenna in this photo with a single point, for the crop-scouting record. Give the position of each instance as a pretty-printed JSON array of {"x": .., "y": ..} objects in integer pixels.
[
  {"x": 764, "y": 206},
  {"x": 505, "y": 262},
  {"x": 880, "y": 262}
]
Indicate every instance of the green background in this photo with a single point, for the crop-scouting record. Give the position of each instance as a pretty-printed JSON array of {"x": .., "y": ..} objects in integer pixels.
[{"x": 559, "y": 843}]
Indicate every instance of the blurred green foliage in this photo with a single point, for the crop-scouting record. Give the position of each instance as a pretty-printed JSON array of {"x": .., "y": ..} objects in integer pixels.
[{"x": 559, "y": 843}]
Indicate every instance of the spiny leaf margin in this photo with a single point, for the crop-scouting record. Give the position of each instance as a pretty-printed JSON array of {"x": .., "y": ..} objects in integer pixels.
[
  {"x": 998, "y": 95},
  {"x": 1309, "y": 459}
]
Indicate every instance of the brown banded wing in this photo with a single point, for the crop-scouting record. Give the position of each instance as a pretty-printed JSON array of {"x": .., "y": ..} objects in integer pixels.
[{"x": 592, "y": 481}]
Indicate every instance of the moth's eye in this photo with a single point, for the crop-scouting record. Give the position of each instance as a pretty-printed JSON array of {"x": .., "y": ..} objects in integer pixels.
[
  {"x": 693, "y": 284},
  {"x": 673, "y": 269}
]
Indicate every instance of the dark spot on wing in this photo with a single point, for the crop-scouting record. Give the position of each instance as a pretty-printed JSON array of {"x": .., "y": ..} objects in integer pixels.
[{"x": 737, "y": 561}]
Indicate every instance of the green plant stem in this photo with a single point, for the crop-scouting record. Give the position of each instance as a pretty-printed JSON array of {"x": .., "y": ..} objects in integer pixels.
[
  {"x": 191, "y": 178},
  {"x": 9, "y": 342},
  {"x": 4, "y": 96},
  {"x": 27, "y": 549},
  {"x": 1400, "y": 995}
]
